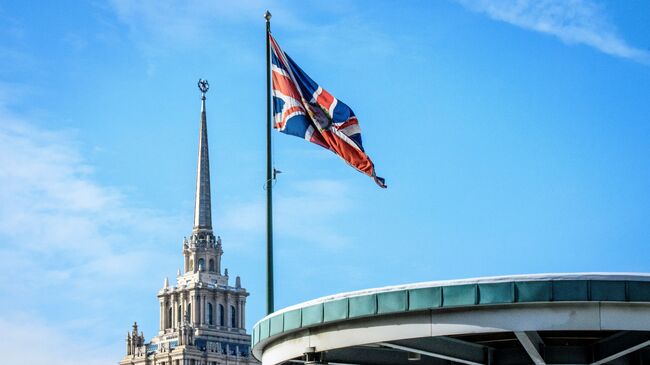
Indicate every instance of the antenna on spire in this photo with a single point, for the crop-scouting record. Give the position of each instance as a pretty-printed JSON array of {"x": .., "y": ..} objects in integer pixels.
[{"x": 204, "y": 86}]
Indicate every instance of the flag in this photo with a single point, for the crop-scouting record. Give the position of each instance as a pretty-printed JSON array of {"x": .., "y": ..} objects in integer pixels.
[{"x": 302, "y": 108}]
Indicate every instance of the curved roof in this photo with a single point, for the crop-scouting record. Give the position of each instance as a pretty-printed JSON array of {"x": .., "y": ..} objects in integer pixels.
[{"x": 440, "y": 295}]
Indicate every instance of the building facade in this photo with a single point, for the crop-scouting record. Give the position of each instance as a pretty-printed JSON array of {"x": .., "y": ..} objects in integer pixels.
[{"x": 202, "y": 317}]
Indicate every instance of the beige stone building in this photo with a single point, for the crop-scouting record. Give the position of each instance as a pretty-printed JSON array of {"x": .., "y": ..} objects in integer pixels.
[{"x": 202, "y": 317}]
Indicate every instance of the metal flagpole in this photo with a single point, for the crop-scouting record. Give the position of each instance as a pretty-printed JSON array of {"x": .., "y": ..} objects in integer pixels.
[{"x": 269, "y": 175}]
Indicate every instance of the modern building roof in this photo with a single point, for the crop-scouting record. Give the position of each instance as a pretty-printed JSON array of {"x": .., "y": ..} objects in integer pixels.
[{"x": 364, "y": 321}]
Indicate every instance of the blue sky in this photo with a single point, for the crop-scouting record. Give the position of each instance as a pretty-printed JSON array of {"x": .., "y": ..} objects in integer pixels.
[{"x": 514, "y": 137}]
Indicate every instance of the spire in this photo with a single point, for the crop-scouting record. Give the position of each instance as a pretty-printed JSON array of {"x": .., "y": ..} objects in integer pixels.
[{"x": 202, "y": 205}]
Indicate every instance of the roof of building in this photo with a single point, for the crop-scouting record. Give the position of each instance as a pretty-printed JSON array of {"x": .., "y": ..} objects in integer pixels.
[{"x": 366, "y": 308}]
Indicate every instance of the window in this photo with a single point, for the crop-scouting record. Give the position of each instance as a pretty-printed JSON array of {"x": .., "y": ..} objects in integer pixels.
[
  {"x": 212, "y": 265},
  {"x": 210, "y": 314},
  {"x": 233, "y": 317},
  {"x": 189, "y": 311},
  {"x": 222, "y": 315},
  {"x": 169, "y": 317},
  {"x": 201, "y": 265},
  {"x": 179, "y": 315}
]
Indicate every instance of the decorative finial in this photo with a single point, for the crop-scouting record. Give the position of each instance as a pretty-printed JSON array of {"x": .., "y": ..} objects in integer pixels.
[
  {"x": 204, "y": 87},
  {"x": 267, "y": 16}
]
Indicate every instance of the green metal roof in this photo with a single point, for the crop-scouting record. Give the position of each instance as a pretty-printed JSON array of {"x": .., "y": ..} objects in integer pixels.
[{"x": 460, "y": 293}]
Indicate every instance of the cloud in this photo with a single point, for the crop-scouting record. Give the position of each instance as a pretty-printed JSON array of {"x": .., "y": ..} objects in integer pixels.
[
  {"x": 179, "y": 22},
  {"x": 35, "y": 342},
  {"x": 303, "y": 211},
  {"x": 52, "y": 208},
  {"x": 159, "y": 28},
  {"x": 49, "y": 195},
  {"x": 68, "y": 238},
  {"x": 572, "y": 21}
]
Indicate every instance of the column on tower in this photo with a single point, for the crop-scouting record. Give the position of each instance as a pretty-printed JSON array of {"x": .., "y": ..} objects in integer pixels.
[
  {"x": 237, "y": 312},
  {"x": 190, "y": 304},
  {"x": 202, "y": 317},
  {"x": 178, "y": 309},
  {"x": 166, "y": 312},
  {"x": 241, "y": 313},
  {"x": 174, "y": 309},
  {"x": 227, "y": 309},
  {"x": 162, "y": 313},
  {"x": 205, "y": 310},
  {"x": 184, "y": 309},
  {"x": 197, "y": 307},
  {"x": 215, "y": 308}
]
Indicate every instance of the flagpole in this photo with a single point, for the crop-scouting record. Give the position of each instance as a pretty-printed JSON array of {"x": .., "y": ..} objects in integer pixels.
[{"x": 269, "y": 175}]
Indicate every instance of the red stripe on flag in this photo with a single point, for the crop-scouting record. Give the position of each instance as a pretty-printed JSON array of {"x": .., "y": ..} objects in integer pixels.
[
  {"x": 349, "y": 122},
  {"x": 325, "y": 99},
  {"x": 286, "y": 113},
  {"x": 285, "y": 86},
  {"x": 355, "y": 157},
  {"x": 318, "y": 139}
]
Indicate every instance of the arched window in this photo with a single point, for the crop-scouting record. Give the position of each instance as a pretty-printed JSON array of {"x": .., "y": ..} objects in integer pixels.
[
  {"x": 222, "y": 316},
  {"x": 201, "y": 265},
  {"x": 211, "y": 265},
  {"x": 179, "y": 314},
  {"x": 169, "y": 317},
  {"x": 210, "y": 314},
  {"x": 233, "y": 317}
]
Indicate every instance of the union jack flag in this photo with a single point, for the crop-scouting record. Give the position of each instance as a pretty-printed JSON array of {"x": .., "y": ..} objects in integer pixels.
[{"x": 304, "y": 109}]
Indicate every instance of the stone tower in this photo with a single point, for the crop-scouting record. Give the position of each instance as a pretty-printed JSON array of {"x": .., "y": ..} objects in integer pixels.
[{"x": 202, "y": 317}]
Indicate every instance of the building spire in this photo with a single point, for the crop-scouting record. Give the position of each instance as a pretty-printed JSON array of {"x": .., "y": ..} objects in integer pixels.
[{"x": 202, "y": 205}]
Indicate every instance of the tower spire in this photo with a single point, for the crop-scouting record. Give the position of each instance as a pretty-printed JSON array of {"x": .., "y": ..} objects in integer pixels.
[{"x": 202, "y": 205}]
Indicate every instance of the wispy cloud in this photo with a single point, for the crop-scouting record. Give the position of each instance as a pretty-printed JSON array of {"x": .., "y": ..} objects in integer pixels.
[
  {"x": 65, "y": 236},
  {"x": 31, "y": 337},
  {"x": 182, "y": 22},
  {"x": 303, "y": 214},
  {"x": 49, "y": 195},
  {"x": 161, "y": 28},
  {"x": 572, "y": 21}
]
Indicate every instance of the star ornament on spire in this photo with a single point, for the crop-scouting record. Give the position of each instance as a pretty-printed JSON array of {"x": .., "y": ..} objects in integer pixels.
[{"x": 203, "y": 86}]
